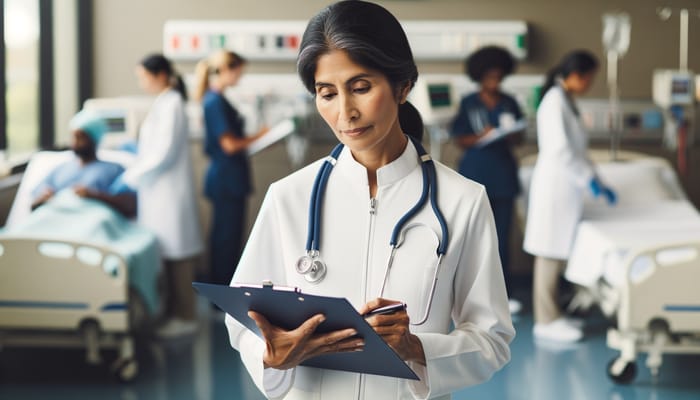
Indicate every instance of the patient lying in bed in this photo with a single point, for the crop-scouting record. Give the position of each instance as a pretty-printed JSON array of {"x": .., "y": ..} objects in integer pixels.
[
  {"x": 81, "y": 200},
  {"x": 88, "y": 176}
]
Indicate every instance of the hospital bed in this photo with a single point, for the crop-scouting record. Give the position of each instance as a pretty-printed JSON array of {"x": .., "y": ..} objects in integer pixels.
[
  {"x": 76, "y": 293},
  {"x": 638, "y": 262}
]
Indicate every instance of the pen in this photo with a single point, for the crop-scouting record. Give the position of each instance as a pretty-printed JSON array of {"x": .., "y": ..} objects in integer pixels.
[{"x": 390, "y": 309}]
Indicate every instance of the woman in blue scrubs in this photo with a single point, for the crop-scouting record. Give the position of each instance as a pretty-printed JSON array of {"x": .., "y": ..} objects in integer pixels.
[
  {"x": 492, "y": 164},
  {"x": 227, "y": 181}
]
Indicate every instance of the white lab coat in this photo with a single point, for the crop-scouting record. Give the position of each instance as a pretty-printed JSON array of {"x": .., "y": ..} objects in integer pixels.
[
  {"x": 355, "y": 246},
  {"x": 560, "y": 178},
  {"x": 164, "y": 179}
]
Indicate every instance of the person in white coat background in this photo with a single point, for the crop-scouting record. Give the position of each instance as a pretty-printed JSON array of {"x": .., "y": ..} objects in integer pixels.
[
  {"x": 356, "y": 61},
  {"x": 164, "y": 180},
  {"x": 561, "y": 176}
]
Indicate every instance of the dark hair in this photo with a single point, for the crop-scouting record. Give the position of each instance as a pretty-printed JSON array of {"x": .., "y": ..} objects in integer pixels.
[
  {"x": 157, "y": 63},
  {"x": 488, "y": 58},
  {"x": 577, "y": 61},
  {"x": 372, "y": 37}
]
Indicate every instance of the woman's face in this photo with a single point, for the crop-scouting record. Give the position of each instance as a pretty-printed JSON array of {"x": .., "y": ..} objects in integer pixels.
[
  {"x": 149, "y": 82},
  {"x": 580, "y": 83},
  {"x": 491, "y": 80},
  {"x": 230, "y": 76},
  {"x": 359, "y": 105}
]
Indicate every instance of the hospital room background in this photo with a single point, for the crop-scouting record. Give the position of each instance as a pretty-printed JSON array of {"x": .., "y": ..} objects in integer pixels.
[{"x": 629, "y": 275}]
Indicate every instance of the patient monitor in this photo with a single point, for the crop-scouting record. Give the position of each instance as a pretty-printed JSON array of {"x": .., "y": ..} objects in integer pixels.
[
  {"x": 436, "y": 98},
  {"x": 673, "y": 87},
  {"x": 123, "y": 116}
]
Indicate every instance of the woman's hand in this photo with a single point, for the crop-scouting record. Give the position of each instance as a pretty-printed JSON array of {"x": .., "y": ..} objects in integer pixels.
[
  {"x": 287, "y": 349},
  {"x": 394, "y": 330}
]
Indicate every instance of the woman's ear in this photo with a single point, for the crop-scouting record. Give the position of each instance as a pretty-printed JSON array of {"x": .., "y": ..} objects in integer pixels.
[{"x": 403, "y": 93}]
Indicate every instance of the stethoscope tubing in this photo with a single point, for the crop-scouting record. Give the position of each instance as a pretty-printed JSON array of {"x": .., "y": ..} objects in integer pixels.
[{"x": 429, "y": 190}]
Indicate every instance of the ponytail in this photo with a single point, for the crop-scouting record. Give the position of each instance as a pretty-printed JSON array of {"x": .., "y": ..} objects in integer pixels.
[
  {"x": 157, "y": 63},
  {"x": 179, "y": 85},
  {"x": 410, "y": 121},
  {"x": 550, "y": 81},
  {"x": 201, "y": 79},
  {"x": 214, "y": 64}
]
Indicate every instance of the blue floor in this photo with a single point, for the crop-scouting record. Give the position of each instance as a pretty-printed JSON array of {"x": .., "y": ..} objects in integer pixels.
[{"x": 206, "y": 368}]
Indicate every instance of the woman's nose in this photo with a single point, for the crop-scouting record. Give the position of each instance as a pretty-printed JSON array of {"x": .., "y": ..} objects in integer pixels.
[{"x": 348, "y": 108}]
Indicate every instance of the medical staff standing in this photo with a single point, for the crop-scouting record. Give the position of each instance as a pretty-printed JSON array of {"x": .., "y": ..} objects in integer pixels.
[
  {"x": 164, "y": 180},
  {"x": 561, "y": 176},
  {"x": 355, "y": 59},
  {"x": 493, "y": 165},
  {"x": 227, "y": 183}
]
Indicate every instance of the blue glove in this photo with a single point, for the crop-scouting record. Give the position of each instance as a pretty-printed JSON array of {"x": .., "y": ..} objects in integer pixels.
[
  {"x": 119, "y": 186},
  {"x": 609, "y": 195},
  {"x": 129, "y": 146},
  {"x": 596, "y": 187}
]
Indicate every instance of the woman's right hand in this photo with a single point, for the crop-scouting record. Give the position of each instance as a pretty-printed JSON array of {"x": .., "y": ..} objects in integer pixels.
[
  {"x": 262, "y": 132},
  {"x": 286, "y": 349}
]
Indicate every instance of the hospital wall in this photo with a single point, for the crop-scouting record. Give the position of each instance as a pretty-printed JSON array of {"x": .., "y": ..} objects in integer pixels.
[{"x": 126, "y": 30}]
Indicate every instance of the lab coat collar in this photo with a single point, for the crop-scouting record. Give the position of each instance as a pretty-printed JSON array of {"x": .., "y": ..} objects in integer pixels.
[{"x": 386, "y": 175}]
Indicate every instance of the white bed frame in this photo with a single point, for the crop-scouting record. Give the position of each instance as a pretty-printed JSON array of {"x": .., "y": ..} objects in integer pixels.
[
  {"x": 62, "y": 293},
  {"x": 658, "y": 310}
]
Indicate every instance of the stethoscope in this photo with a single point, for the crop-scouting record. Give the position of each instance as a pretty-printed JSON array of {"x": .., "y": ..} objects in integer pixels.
[{"x": 314, "y": 269}]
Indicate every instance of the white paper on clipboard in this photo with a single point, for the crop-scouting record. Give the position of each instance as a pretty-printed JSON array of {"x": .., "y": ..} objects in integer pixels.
[
  {"x": 276, "y": 133},
  {"x": 499, "y": 133}
]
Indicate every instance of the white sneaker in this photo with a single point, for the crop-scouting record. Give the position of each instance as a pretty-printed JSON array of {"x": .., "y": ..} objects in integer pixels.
[
  {"x": 574, "y": 322},
  {"x": 514, "y": 306},
  {"x": 558, "y": 330},
  {"x": 177, "y": 327}
]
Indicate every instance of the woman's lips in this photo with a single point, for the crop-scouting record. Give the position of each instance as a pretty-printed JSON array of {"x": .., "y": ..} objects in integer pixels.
[{"x": 354, "y": 132}]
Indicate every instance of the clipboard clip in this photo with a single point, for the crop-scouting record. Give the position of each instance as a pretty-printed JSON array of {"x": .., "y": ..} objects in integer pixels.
[{"x": 267, "y": 284}]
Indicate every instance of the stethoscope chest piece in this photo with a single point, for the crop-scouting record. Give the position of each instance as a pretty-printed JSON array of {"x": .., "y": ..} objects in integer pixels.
[{"x": 312, "y": 267}]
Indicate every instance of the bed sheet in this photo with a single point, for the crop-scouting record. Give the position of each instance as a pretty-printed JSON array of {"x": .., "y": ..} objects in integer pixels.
[{"x": 69, "y": 217}]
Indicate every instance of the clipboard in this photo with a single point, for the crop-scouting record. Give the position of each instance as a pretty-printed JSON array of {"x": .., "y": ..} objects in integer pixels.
[
  {"x": 500, "y": 133},
  {"x": 276, "y": 133},
  {"x": 288, "y": 308}
]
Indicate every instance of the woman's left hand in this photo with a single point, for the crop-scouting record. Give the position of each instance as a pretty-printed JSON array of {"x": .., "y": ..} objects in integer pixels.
[{"x": 394, "y": 330}]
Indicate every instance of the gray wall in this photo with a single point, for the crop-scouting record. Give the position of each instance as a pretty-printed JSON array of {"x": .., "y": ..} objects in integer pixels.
[{"x": 125, "y": 30}]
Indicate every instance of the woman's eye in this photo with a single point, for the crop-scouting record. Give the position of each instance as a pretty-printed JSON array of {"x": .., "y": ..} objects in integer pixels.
[
  {"x": 325, "y": 94},
  {"x": 361, "y": 89}
]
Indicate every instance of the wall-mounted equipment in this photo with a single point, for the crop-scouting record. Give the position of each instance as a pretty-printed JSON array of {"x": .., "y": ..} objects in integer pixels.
[{"x": 190, "y": 40}]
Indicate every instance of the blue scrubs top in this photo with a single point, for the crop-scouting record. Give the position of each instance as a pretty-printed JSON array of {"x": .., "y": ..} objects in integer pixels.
[
  {"x": 492, "y": 165},
  {"x": 97, "y": 175},
  {"x": 227, "y": 174}
]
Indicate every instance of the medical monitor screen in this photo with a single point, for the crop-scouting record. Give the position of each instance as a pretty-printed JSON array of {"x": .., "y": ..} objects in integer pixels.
[
  {"x": 680, "y": 87},
  {"x": 439, "y": 95},
  {"x": 115, "y": 120}
]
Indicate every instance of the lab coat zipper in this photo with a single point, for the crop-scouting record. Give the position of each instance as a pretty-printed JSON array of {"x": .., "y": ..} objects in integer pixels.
[{"x": 370, "y": 234}]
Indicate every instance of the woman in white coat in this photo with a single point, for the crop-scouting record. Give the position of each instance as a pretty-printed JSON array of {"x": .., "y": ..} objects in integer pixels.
[
  {"x": 360, "y": 71},
  {"x": 164, "y": 180},
  {"x": 562, "y": 175}
]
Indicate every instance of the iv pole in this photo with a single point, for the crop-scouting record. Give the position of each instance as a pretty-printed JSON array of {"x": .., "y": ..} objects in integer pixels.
[
  {"x": 616, "y": 38},
  {"x": 683, "y": 136}
]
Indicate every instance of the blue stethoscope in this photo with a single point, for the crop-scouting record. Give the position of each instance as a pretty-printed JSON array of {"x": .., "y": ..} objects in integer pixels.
[{"x": 314, "y": 269}]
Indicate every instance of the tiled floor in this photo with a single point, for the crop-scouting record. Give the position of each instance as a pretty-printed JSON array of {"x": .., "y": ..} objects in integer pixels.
[{"x": 206, "y": 368}]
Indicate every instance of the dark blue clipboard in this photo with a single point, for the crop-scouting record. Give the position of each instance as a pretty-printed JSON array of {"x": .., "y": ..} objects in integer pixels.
[{"x": 289, "y": 307}]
